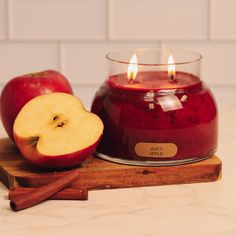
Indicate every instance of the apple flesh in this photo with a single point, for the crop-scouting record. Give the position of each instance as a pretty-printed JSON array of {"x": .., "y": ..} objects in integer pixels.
[
  {"x": 18, "y": 91},
  {"x": 55, "y": 131}
]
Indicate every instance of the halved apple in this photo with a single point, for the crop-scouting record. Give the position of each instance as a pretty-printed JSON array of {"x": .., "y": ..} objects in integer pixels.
[{"x": 54, "y": 131}]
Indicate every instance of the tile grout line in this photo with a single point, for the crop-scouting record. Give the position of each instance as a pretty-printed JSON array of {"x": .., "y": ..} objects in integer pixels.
[
  {"x": 60, "y": 57},
  {"x": 209, "y": 6},
  {"x": 107, "y": 18},
  {"x": 7, "y": 19},
  {"x": 161, "y": 44},
  {"x": 90, "y": 41}
]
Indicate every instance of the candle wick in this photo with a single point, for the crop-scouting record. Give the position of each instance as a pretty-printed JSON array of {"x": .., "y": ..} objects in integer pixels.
[
  {"x": 131, "y": 80},
  {"x": 173, "y": 79}
]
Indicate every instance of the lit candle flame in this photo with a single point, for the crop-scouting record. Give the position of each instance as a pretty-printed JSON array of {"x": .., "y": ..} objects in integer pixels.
[
  {"x": 132, "y": 68},
  {"x": 171, "y": 67}
]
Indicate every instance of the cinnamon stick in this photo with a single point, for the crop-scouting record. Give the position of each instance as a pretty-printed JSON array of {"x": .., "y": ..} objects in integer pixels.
[
  {"x": 42, "y": 193},
  {"x": 64, "y": 194}
]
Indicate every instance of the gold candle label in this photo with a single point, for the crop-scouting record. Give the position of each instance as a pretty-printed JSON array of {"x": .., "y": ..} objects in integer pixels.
[{"x": 156, "y": 149}]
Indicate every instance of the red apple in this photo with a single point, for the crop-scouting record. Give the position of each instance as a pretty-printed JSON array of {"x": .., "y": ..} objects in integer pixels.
[
  {"x": 54, "y": 131},
  {"x": 18, "y": 91}
]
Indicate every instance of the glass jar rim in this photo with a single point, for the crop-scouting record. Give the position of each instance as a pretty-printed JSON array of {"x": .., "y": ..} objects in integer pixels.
[{"x": 110, "y": 56}]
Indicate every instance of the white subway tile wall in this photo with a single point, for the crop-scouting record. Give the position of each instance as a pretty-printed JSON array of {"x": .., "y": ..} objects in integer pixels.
[
  {"x": 57, "y": 19},
  {"x": 21, "y": 58},
  {"x": 223, "y": 19},
  {"x": 158, "y": 19},
  {"x": 73, "y": 36}
]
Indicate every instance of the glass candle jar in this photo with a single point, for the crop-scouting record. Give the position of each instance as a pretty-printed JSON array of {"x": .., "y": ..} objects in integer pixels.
[{"x": 156, "y": 109}]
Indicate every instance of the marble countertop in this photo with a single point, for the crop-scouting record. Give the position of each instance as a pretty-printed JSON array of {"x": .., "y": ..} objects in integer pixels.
[{"x": 194, "y": 209}]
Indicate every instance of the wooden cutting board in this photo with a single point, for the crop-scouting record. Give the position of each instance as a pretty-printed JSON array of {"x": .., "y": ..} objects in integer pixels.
[{"x": 99, "y": 174}]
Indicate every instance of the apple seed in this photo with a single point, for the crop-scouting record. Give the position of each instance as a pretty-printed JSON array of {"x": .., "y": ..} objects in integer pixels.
[
  {"x": 61, "y": 124},
  {"x": 55, "y": 118},
  {"x": 59, "y": 120}
]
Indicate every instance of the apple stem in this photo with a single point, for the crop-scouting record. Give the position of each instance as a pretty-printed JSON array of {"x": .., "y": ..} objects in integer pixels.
[{"x": 34, "y": 141}]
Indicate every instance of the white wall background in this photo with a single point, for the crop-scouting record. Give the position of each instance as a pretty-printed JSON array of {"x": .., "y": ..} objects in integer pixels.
[{"x": 73, "y": 36}]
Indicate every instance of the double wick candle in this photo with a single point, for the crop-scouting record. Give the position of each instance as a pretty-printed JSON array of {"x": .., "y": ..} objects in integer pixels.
[{"x": 156, "y": 109}]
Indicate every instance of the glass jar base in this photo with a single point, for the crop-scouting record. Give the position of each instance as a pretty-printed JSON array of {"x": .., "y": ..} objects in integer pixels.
[{"x": 151, "y": 163}]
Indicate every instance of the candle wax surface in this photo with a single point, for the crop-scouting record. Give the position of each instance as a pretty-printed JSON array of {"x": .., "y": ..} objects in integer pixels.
[
  {"x": 153, "y": 80},
  {"x": 156, "y": 110}
]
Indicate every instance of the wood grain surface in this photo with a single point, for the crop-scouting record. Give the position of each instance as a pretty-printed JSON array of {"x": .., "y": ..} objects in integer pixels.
[{"x": 99, "y": 174}]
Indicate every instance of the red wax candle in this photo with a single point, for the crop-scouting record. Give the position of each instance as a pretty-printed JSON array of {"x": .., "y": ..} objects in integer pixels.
[{"x": 156, "y": 120}]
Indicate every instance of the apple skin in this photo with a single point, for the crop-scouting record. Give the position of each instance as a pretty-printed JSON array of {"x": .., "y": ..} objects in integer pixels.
[
  {"x": 51, "y": 162},
  {"x": 19, "y": 90}
]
